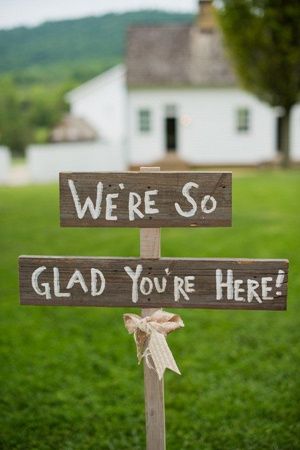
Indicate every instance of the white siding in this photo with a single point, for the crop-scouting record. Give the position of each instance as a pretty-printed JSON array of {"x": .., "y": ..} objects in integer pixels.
[
  {"x": 101, "y": 102},
  {"x": 5, "y": 164},
  {"x": 206, "y": 126},
  {"x": 295, "y": 133},
  {"x": 46, "y": 161}
]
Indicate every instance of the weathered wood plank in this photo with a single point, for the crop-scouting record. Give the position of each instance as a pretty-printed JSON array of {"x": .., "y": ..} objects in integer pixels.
[
  {"x": 189, "y": 283},
  {"x": 145, "y": 200}
]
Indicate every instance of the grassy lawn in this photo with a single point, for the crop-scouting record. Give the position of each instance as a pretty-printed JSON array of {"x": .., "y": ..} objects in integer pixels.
[{"x": 69, "y": 377}]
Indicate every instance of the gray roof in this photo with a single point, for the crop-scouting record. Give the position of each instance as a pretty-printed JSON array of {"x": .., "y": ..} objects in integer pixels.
[{"x": 176, "y": 55}]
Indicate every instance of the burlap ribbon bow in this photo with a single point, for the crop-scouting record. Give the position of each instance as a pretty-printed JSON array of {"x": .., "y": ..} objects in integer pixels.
[{"x": 149, "y": 334}]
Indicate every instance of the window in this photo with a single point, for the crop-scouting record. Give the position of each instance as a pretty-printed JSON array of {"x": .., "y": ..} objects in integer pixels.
[
  {"x": 171, "y": 111},
  {"x": 243, "y": 120},
  {"x": 144, "y": 120}
]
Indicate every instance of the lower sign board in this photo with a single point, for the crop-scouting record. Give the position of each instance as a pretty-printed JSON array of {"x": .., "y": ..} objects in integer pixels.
[{"x": 180, "y": 283}]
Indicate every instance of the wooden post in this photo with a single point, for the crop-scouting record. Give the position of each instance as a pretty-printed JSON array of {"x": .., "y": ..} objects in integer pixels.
[{"x": 154, "y": 388}]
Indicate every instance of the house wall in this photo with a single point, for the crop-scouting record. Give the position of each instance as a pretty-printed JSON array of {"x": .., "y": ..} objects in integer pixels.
[
  {"x": 206, "y": 126},
  {"x": 5, "y": 165},
  {"x": 44, "y": 162},
  {"x": 102, "y": 103},
  {"x": 295, "y": 133}
]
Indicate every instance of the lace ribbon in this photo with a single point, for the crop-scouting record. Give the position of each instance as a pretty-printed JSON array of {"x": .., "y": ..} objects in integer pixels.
[{"x": 150, "y": 337}]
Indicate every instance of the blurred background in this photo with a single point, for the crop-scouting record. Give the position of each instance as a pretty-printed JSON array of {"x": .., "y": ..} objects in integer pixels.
[
  {"x": 190, "y": 84},
  {"x": 89, "y": 85}
]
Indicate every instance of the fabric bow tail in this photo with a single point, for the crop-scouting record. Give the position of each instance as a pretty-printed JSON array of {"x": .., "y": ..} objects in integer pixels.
[{"x": 150, "y": 337}]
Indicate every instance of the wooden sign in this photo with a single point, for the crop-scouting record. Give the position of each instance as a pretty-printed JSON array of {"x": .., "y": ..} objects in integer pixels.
[
  {"x": 145, "y": 200},
  {"x": 150, "y": 200},
  {"x": 131, "y": 282}
]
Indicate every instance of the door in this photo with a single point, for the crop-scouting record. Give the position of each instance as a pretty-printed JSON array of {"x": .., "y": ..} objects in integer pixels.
[
  {"x": 171, "y": 134},
  {"x": 279, "y": 134}
]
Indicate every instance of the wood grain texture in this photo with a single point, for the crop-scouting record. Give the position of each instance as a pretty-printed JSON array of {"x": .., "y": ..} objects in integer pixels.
[
  {"x": 169, "y": 186},
  {"x": 118, "y": 287},
  {"x": 154, "y": 387},
  {"x": 154, "y": 410}
]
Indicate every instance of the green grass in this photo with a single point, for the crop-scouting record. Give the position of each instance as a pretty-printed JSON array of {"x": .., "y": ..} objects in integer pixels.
[{"x": 69, "y": 377}]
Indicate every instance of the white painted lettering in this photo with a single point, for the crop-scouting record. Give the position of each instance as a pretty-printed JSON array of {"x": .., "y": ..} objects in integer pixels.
[
  {"x": 189, "y": 284},
  {"x": 149, "y": 203},
  {"x": 205, "y": 200},
  {"x": 34, "y": 282},
  {"x": 133, "y": 206},
  {"x": 134, "y": 277},
  {"x": 185, "y": 191},
  {"x": 228, "y": 284},
  {"x": 143, "y": 286},
  {"x": 88, "y": 204},
  {"x": 179, "y": 284},
  {"x": 110, "y": 206},
  {"x": 160, "y": 288},
  {"x": 238, "y": 290},
  {"x": 265, "y": 289},
  {"x": 95, "y": 275},
  {"x": 77, "y": 278},
  {"x": 56, "y": 284},
  {"x": 252, "y": 285}
]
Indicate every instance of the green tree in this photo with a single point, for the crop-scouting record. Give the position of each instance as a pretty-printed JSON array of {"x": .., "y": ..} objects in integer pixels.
[
  {"x": 28, "y": 115},
  {"x": 263, "y": 37},
  {"x": 14, "y": 120},
  {"x": 46, "y": 108}
]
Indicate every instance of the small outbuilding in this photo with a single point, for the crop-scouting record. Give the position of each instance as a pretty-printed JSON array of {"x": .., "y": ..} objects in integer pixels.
[{"x": 73, "y": 129}]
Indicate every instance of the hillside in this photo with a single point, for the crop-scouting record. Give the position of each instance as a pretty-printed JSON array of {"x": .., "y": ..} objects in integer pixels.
[{"x": 77, "y": 49}]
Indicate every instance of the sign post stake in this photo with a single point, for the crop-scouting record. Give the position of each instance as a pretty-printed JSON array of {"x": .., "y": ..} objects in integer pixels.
[{"x": 154, "y": 388}]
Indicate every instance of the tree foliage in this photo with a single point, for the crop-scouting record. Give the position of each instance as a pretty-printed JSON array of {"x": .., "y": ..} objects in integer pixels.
[
  {"x": 28, "y": 115},
  {"x": 14, "y": 121},
  {"x": 263, "y": 37}
]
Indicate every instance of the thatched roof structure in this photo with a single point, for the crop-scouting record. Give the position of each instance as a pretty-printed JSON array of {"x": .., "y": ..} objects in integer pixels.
[{"x": 73, "y": 129}]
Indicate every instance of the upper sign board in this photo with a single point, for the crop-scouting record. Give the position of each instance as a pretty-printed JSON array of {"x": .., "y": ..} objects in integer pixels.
[{"x": 145, "y": 200}]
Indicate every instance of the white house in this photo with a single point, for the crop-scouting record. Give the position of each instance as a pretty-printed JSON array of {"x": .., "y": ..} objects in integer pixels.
[
  {"x": 101, "y": 102},
  {"x": 183, "y": 98},
  {"x": 178, "y": 95}
]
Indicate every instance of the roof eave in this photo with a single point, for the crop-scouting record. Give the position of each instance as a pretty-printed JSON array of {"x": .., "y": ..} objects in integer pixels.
[{"x": 135, "y": 87}]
